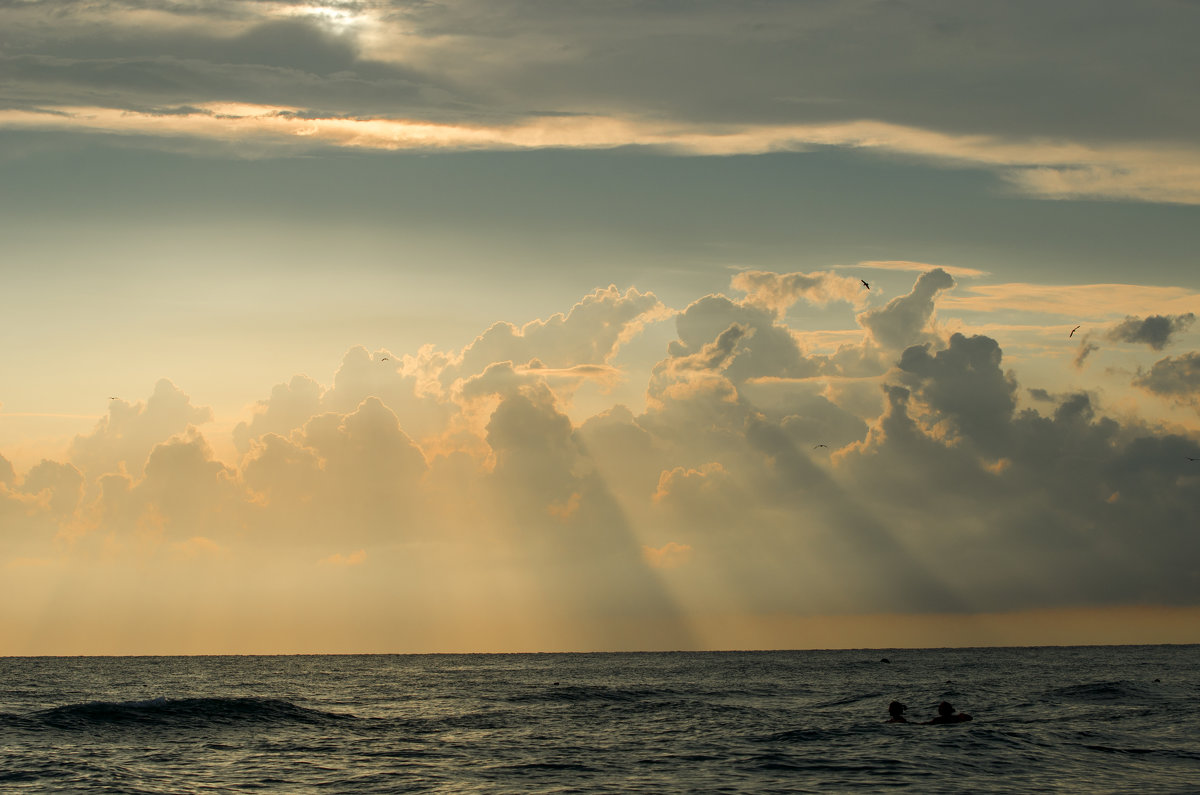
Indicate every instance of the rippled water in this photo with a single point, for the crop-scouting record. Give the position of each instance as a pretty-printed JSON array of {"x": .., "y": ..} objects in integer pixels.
[{"x": 1088, "y": 719}]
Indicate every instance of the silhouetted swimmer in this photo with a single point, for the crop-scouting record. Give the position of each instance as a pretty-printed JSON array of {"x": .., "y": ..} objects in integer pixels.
[
  {"x": 885, "y": 659},
  {"x": 896, "y": 710},
  {"x": 946, "y": 714}
]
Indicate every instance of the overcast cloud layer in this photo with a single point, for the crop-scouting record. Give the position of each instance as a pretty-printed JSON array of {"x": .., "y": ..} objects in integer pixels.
[
  {"x": 907, "y": 472},
  {"x": 1059, "y": 108}
]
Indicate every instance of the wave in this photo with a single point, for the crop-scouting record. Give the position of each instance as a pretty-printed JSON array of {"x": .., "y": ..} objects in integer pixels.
[
  {"x": 1166, "y": 753},
  {"x": 1103, "y": 691},
  {"x": 183, "y": 712},
  {"x": 583, "y": 693}
]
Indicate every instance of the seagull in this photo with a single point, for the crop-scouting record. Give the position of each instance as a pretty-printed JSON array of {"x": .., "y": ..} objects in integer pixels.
[
  {"x": 113, "y": 398},
  {"x": 1072, "y": 334},
  {"x": 864, "y": 281},
  {"x": 1189, "y": 458},
  {"x": 384, "y": 359},
  {"x": 815, "y": 446}
]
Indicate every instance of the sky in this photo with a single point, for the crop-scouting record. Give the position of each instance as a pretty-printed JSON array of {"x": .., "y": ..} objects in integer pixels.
[{"x": 535, "y": 326}]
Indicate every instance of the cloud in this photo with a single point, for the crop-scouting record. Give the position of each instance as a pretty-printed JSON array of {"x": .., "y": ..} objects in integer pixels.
[
  {"x": 273, "y": 78},
  {"x": 371, "y": 465},
  {"x": 289, "y": 407},
  {"x": 956, "y": 271},
  {"x": 742, "y": 338},
  {"x": 1086, "y": 349},
  {"x": 778, "y": 291},
  {"x": 126, "y": 436},
  {"x": 669, "y": 556},
  {"x": 1155, "y": 330},
  {"x": 591, "y": 333},
  {"x": 905, "y": 320},
  {"x": 964, "y": 384},
  {"x": 940, "y": 490},
  {"x": 1036, "y": 506},
  {"x": 188, "y": 490},
  {"x": 356, "y": 558},
  {"x": 527, "y": 56},
  {"x": 62, "y": 484},
  {"x": 1170, "y": 174},
  {"x": 1075, "y": 301},
  {"x": 1175, "y": 377}
]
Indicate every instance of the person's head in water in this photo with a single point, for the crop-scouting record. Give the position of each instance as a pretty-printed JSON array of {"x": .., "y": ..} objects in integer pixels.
[
  {"x": 896, "y": 710},
  {"x": 946, "y": 714}
]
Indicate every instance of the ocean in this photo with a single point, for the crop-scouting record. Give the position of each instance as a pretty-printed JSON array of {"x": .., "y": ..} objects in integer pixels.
[{"x": 1057, "y": 719}]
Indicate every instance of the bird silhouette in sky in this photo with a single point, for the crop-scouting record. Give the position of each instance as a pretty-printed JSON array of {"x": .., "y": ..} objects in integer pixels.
[
  {"x": 815, "y": 446},
  {"x": 384, "y": 359},
  {"x": 113, "y": 398},
  {"x": 1189, "y": 458},
  {"x": 1072, "y": 334},
  {"x": 864, "y": 281}
]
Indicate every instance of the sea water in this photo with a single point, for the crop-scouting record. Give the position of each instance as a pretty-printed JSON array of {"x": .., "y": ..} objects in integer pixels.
[{"x": 1082, "y": 719}]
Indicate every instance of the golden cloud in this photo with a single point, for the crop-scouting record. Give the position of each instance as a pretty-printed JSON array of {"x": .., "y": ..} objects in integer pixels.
[{"x": 1046, "y": 168}]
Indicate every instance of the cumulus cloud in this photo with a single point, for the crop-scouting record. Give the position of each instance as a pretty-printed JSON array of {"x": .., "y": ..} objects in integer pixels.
[
  {"x": 289, "y": 407},
  {"x": 905, "y": 320},
  {"x": 1176, "y": 377},
  {"x": 747, "y": 340},
  {"x": 342, "y": 477},
  {"x": 589, "y": 334},
  {"x": 778, "y": 291},
  {"x": 1049, "y": 504},
  {"x": 1155, "y": 330},
  {"x": 938, "y": 491},
  {"x": 964, "y": 384},
  {"x": 61, "y": 483},
  {"x": 128, "y": 433}
]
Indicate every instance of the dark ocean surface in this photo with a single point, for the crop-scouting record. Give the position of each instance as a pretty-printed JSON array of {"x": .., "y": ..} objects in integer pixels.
[{"x": 1079, "y": 719}]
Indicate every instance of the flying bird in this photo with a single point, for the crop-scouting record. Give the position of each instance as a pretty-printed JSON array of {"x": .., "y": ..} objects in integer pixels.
[
  {"x": 815, "y": 446},
  {"x": 384, "y": 359},
  {"x": 864, "y": 281},
  {"x": 113, "y": 398},
  {"x": 1189, "y": 458},
  {"x": 1072, "y": 334}
]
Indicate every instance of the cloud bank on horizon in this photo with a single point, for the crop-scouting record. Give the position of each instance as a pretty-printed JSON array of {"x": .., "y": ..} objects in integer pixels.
[
  {"x": 907, "y": 471},
  {"x": 1031, "y": 101}
]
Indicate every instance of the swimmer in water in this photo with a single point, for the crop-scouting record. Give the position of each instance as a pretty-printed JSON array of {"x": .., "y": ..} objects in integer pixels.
[
  {"x": 946, "y": 714},
  {"x": 896, "y": 710}
]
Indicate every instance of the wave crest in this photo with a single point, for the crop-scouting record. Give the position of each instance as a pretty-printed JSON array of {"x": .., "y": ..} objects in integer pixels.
[{"x": 184, "y": 712}]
